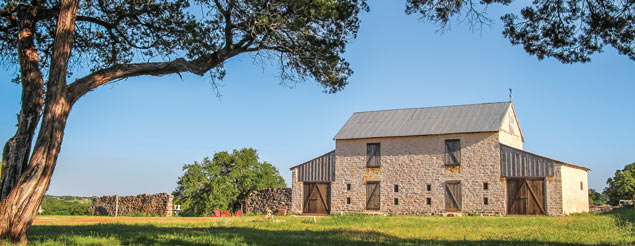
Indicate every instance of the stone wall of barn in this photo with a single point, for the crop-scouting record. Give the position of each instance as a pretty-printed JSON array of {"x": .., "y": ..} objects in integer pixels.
[
  {"x": 148, "y": 204},
  {"x": 414, "y": 162},
  {"x": 554, "y": 192},
  {"x": 296, "y": 193},
  {"x": 261, "y": 200},
  {"x": 575, "y": 190}
]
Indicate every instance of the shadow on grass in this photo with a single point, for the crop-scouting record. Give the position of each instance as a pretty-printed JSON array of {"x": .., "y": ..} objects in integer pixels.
[{"x": 152, "y": 235}]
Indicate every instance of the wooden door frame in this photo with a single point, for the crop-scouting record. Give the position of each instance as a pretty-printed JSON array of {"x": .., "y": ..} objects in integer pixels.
[
  {"x": 378, "y": 188},
  {"x": 446, "y": 190},
  {"x": 545, "y": 207},
  {"x": 326, "y": 198}
]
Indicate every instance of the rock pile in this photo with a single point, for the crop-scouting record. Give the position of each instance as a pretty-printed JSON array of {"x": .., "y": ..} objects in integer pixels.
[
  {"x": 147, "y": 204},
  {"x": 272, "y": 198},
  {"x": 600, "y": 208}
]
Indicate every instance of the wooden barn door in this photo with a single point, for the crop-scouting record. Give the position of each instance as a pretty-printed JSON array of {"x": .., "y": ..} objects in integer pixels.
[
  {"x": 373, "y": 198},
  {"x": 525, "y": 196},
  {"x": 453, "y": 196},
  {"x": 317, "y": 198}
]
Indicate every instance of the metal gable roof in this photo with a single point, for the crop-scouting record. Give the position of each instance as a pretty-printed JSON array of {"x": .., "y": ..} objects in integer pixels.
[{"x": 485, "y": 117}]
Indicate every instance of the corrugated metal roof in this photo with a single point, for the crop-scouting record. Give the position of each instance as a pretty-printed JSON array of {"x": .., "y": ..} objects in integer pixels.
[{"x": 485, "y": 117}]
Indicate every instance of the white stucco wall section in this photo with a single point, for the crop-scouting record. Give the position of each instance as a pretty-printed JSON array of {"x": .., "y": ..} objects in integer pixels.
[
  {"x": 510, "y": 133},
  {"x": 575, "y": 190}
]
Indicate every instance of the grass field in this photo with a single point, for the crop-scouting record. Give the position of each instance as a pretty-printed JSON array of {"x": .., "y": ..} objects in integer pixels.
[{"x": 615, "y": 228}]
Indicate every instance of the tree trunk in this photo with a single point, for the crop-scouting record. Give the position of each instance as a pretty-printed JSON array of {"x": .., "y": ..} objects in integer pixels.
[
  {"x": 15, "y": 155},
  {"x": 19, "y": 207}
]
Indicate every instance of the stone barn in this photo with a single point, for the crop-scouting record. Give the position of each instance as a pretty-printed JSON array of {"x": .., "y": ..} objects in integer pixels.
[{"x": 437, "y": 160}]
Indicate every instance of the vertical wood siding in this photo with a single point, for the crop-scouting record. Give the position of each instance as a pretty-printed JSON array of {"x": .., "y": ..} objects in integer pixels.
[
  {"x": 320, "y": 169},
  {"x": 518, "y": 163}
]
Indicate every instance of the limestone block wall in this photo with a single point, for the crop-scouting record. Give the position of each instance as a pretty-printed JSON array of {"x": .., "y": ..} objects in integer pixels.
[
  {"x": 149, "y": 204},
  {"x": 554, "y": 192},
  {"x": 261, "y": 200},
  {"x": 296, "y": 193},
  {"x": 575, "y": 190},
  {"x": 414, "y": 162}
]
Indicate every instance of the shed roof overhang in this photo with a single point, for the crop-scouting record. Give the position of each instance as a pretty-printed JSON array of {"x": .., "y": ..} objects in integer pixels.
[{"x": 520, "y": 163}]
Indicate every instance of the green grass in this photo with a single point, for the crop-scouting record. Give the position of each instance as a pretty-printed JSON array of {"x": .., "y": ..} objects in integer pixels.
[{"x": 614, "y": 228}]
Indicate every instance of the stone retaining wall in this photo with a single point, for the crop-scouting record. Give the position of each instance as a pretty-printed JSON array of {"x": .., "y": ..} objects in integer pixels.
[
  {"x": 148, "y": 204},
  {"x": 259, "y": 201}
]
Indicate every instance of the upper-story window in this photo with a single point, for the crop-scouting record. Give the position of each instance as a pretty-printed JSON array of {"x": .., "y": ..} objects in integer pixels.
[
  {"x": 373, "y": 155},
  {"x": 452, "y": 152}
]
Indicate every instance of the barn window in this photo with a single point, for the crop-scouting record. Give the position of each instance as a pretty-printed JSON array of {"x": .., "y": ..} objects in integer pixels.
[
  {"x": 485, "y": 186},
  {"x": 428, "y": 201},
  {"x": 428, "y": 187},
  {"x": 373, "y": 155},
  {"x": 581, "y": 186},
  {"x": 396, "y": 188},
  {"x": 452, "y": 152},
  {"x": 348, "y": 186},
  {"x": 348, "y": 200},
  {"x": 396, "y": 201},
  {"x": 485, "y": 201}
]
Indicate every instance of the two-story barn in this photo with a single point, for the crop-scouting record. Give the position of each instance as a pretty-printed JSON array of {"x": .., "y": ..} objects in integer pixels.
[{"x": 434, "y": 160}]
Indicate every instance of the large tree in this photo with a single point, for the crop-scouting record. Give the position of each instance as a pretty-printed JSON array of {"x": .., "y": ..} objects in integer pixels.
[
  {"x": 120, "y": 39},
  {"x": 223, "y": 182},
  {"x": 622, "y": 185}
]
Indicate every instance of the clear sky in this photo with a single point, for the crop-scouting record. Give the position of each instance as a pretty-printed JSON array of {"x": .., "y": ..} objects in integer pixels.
[{"x": 134, "y": 136}]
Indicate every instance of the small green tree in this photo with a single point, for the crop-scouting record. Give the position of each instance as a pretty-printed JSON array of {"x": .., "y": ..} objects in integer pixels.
[
  {"x": 223, "y": 182},
  {"x": 622, "y": 185},
  {"x": 596, "y": 198}
]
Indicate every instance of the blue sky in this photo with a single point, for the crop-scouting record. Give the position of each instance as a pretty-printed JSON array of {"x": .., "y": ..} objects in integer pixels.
[{"x": 134, "y": 136}]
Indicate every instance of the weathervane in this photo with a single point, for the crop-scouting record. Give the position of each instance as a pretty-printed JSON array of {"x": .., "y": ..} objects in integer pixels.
[{"x": 510, "y": 94}]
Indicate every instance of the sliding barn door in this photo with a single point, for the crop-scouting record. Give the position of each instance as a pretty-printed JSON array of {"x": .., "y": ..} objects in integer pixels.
[
  {"x": 317, "y": 198},
  {"x": 525, "y": 196}
]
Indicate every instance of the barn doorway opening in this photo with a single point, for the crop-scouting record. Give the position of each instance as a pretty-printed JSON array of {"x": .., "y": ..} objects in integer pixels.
[
  {"x": 453, "y": 200},
  {"x": 526, "y": 196},
  {"x": 373, "y": 198},
  {"x": 317, "y": 198}
]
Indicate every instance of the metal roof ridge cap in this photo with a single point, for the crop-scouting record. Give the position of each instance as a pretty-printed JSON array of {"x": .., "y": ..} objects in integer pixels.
[{"x": 439, "y": 106}]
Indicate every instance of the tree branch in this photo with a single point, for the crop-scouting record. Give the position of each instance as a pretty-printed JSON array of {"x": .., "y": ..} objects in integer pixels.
[
  {"x": 198, "y": 66},
  {"x": 62, "y": 45}
]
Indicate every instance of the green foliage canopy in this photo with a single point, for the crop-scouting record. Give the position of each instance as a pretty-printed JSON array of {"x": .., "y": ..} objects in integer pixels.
[
  {"x": 224, "y": 182},
  {"x": 64, "y": 207},
  {"x": 567, "y": 30},
  {"x": 622, "y": 185},
  {"x": 596, "y": 198}
]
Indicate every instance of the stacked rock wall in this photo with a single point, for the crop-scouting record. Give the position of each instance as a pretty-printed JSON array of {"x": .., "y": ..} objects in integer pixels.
[
  {"x": 413, "y": 163},
  {"x": 148, "y": 204},
  {"x": 261, "y": 200}
]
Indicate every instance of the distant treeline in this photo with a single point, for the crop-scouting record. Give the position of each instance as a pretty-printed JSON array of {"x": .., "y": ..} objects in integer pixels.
[{"x": 65, "y": 205}]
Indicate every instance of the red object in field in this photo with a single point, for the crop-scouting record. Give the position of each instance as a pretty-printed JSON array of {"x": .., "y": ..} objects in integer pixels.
[
  {"x": 216, "y": 213},
  {"x": 226, "y": 214},
  {"x": 238, "y": 213}
]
